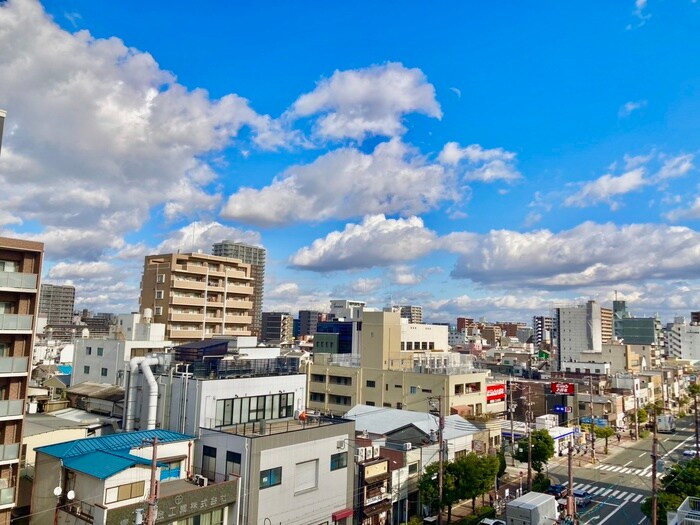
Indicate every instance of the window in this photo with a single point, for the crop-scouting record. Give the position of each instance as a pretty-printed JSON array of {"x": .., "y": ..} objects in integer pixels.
[
  {"x": 8, "y": 266},
  {"x": 371, "y": 384},
  {"x": 86, "y": 369},
  {"x": 369, "y": 403},
  {"x": 88, "y": 350},
  {"x": 414, "y": 389},
  {"x": 4, "y": 350},
  {"x": 306, "y": 476},
  {"x": 249, "y": 409},
  {"x": 159, "y": 294},
  {"x": 413, "y": 468},
  {"x": 209, "y": 462},
  {"x": 233, "y": 463},
  {"x": 100, "y": 351},
  {"x": 103, "y": 372},
  {"x": 160, "y": 278},
  {"x": 339, "y": 460},
  {"x": 170, "y": 470},
  {"x": 124, "y": 492},
  {"x": 270, "y": 477},
  {"x": 158, "y": 310}
]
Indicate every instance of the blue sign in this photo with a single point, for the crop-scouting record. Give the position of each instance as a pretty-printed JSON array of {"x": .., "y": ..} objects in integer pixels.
[
  {"x": 562, "y": 409},
  {"x": 599, "y": 421}
]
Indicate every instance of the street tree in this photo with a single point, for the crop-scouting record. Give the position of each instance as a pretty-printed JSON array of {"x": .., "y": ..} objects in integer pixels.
[
  {"x": 604, "y": 433},
  {"x": 694, "y": 392},
  {"x": 429, "y": 488},
  {"x": 681, "y": 481},
  {"x": 542, "y": 449}
]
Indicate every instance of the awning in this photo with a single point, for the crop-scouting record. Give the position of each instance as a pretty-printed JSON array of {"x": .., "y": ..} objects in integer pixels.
[{"x": 339, "y": 515}]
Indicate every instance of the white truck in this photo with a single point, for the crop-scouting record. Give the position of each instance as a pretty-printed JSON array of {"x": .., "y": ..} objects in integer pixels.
[
  {"x": 533, "y": 508},
  {"x": 665, "y": 424}
]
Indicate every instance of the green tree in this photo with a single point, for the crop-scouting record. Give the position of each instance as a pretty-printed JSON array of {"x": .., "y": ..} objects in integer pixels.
[
  {"x": 429, "y": 489},
  {"x": 680, "y": 482},
  {"x": 542, "y": 449},
  {"x": 502, "y": 465},
  {"x": 604, "y": 433},
  {"x": 641, "y": 414}
]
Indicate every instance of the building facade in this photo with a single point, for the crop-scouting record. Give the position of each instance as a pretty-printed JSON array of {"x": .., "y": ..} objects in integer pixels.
[
  {"x": 277, "y": 328},
  {"x": 308, "y": 322},
  {"x": 198, "y": 296},
  {"x": 57, "y": 303},
  {"x": 413, "y": 313},
  {"x": 20, "y": 272},
  {"x": 255, "y": 256},
  {"x": 578, "y": 330}
]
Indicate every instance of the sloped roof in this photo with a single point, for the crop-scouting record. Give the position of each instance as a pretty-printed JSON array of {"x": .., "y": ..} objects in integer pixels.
[
  {"x": 102, "y": 465},
  {"x": 103, "y": 391}
]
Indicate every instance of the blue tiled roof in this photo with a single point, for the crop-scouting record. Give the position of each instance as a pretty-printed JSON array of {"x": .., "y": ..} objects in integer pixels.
[
  {"x": 65, "y": 369},
  {"x": 102, "y": 457}
]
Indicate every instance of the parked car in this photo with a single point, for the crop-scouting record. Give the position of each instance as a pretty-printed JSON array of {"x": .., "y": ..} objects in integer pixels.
[
  {"x": 558, "y": 491},
  {"x": 690, "y": 453},
  {"x": 491, "y": 521},
  {"x": 582, "y": 498}
]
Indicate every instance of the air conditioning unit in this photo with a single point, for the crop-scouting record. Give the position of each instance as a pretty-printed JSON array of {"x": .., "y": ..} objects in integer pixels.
[
  {"x": 360, "y": 456},
  {"x": 340, "y": 444},
  {"x": 369, "y": 452},
  {"x": 407, "y": 446},
  {"x": 200, "y": 480},
  {"x": 375, "y": 452}
]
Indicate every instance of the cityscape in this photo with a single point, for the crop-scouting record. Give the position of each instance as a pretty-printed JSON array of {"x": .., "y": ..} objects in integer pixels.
[{"x": 334, "y": 264}]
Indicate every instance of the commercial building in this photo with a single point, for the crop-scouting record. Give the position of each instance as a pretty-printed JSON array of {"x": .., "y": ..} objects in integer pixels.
[
  {"x": 277, "y": 328},
  {"x": 198, "y": 296},
  {"x": 20, "y": 272},
  {"x": 308, "y": 322},
  {"x": 255, "y": 256},
  {"x": 683, "y": 340},
  {"x": 578, "y": 330},
  {"x": 423, "y": 336},
  {"x": 635, "y": 330},
  {"x": 57, "y": 302}
]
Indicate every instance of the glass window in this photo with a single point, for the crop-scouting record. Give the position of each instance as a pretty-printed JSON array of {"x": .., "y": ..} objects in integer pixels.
[
  {"x": 103, "y": 372},
  {"x": 86, "y": 369},
  {"x": 233, "y": 463},
  {"x": 371, "y": 384},
  {"x": 100, "y": 351},
  {"x": 306, "y": 476},
  {"x": 270, "y": 477},
  {"x": 88, "y": 350},
  {"x": 209, "y": 462},
  {"x": 339, "y": 460}
]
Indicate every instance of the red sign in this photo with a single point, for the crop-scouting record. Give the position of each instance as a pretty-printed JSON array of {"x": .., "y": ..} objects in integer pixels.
[
  {"x": 563, "y": 389},
  {"x": 495, "y": 393}
]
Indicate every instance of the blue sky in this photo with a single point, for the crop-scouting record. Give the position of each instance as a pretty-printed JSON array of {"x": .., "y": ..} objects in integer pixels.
[{"x": 478, "y": 159}]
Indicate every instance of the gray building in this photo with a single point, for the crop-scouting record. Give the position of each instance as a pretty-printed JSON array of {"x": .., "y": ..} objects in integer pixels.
[
  {"x": 308, "y": 322},
  {"x": 277, "y": 328},
  {"x": 635, "y": 330},
  {"x": 57, "y": 303},
  {"x": 255, "y": 256}
]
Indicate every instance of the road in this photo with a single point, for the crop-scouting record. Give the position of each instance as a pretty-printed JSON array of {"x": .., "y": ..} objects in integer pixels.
[{"x": 621, "y": 480}]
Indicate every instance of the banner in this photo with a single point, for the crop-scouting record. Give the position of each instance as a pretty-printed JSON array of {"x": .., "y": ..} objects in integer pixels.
[
  {"x": 563, "y": 389},
  {"x": 495, "y": 393}
]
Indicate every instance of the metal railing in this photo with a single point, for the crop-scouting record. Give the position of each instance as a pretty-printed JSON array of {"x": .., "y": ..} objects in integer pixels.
[
  {"x": 9, "y": 452},
  {"x": 18, "y": 280},
  {"x": 7, "y": 496},
  {"x": 13, "y": 365},
  {"x": 13, "y": 407},
  {"x": 15, "y": 322}
]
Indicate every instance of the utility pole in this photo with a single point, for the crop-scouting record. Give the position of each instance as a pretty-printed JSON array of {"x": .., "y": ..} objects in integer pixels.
[
  {"x": 697, "y": 428},
  {"x": 590, "y": 389},
  {"x": 511, "y": 409},
  {"x": 570, "y": 500},
  {"x": 441, "y": 426},
  {"x": 636, "y": 410},
  {"x": 654, "y": 455},
  {"x": 528, "y": 416},
  {"x": 153, "y": 495}
]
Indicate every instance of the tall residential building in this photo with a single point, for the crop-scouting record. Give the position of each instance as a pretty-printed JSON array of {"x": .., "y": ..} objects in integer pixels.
[
  {"x": 606, "y": 325},
  {"x": 277, "y": 328},
  {"x": 308, "y": 322},
  {"x": 57, "y": 303},
  {"x": 198, "y": 296},
  {"x": 413, "y": 313},
  {"x": 463, "y": 323},
  {"x": 20, "y": 271},
  {"x": 543, "y": 327},
  {"x": 695, "y": 317},
  {"x": 683, "y": 340},
  {"x": 635, "y": 330},
  {"x": 255, "y": 256},
  {"x": 2, "y": 124},
  {"x": 579, "y": 330}
]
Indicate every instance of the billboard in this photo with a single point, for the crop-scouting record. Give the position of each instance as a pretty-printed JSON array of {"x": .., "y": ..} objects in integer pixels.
[
  {"x": 563, "y": 389},
  {"x": 495, "y": 393}
]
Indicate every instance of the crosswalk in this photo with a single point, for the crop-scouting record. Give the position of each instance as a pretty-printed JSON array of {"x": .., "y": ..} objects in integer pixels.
[
  {"x": 609, "y": 493},
  {"x": 642, "y": 473}
]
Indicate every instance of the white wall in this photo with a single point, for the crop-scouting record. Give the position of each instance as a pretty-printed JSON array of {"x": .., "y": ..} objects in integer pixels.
[{"x": 425, "y": 333}]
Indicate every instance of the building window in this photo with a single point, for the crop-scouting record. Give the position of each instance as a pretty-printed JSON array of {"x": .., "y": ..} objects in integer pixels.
[
  {"x": 371, "y": 384},
  {"x": 306, "y": 476},
  {"x": 159, "y": 294},
  {"x": 209, "y": 462},
  {"x": 339, "y": 460},
  {"x": 160, "y": 278},
  {"x": 317, "y": 397},
  {"x": 86, "y": 369},
  {"x": 103, "y": 372},
  {"x": 413, "y": 468},
  {"x": 255, "y": 408},
  {"x": 8, "y": 266},
  {"x": 100, "y": 351},
  {"x": 125, "y": 492},
  {"x": 369, "y": 403},
  {"x": 233, "y": 463},
  {"x": 397, "y": 386},
  {"x": 158, "y": 310},
  {"x": 88, "y": 350},
  {"x": 414, "y": 389},
  {"x": 270, "y": 477},
  {"x": 170, "y": 470}
]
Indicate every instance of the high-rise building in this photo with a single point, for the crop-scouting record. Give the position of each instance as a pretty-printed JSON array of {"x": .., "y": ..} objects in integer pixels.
[
  {"x": 606, "y": 325},
  {"x": 413, "y": 313},
  {"x": 463, "y": 323},
  {"x": 694, "y": 317},
  {"x": 57, "y": 303},
  {"x": 255, "y": 256},
  {"x": 197, "y": 296},
  {"x": 277, "y": 328},
  {"x": 578, "y": 330},
  {"x": 20, "y": 271},
  {"x": 308, "y": 322},
  {"x": 543, "y": 327},
  {"x": 3, "y": 114},
  {"x": 635, "y": 330}
]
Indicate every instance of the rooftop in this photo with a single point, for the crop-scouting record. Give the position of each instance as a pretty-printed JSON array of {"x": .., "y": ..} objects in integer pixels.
[{"x": 269, "y": 428}]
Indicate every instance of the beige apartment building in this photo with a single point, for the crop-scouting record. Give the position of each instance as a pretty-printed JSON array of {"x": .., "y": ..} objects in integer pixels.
[
  {"x": 383, "y": 375},
  {"x": 20, "y": 272},
  {"x": 198, "y": 296}
]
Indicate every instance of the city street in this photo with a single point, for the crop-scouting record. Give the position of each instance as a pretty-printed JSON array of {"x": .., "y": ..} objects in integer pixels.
[{"x": 621, "y": 480}]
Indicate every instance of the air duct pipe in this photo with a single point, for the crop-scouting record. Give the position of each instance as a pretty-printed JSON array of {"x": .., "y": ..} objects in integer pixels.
[
  {"x": 152, "y": 388},
  {"x": 129, "y": 416}
]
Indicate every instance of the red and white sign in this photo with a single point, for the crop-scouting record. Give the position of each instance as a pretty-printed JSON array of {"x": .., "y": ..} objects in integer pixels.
[
  {"x": 495, "y": 393},
  {"x": 563, "y": 389}
]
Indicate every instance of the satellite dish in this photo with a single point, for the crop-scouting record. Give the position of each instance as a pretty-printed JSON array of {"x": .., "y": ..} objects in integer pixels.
[
  {"x": 71, "y": 494},
  {"x": 57, "y": 491}
]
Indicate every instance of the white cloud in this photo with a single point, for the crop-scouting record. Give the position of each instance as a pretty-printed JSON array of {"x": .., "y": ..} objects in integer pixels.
[
  {"x": 372, "y": 101},
  {"x": 404, "y": 275},
  {"x": 692, "y": 211},
  {"x": 588, "y": 255},
  {"x": 202, "y": 235},
  {"x": 377, "y": 241},
  {"x": 630, "y": 107},
  {"x": 98, "y": 135},
  {"x": 674, "y": 167},
  {"x": 346, "y": 183},
  {"x": 77, "y": 270},
  {"x": 606, "y": 188},
  {"x": 639, "y": 7},
  {"x": 479, "y": 164}
]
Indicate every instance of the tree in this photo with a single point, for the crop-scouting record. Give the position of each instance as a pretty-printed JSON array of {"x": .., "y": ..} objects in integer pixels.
[
  {"x": 680, "y": 482},
  {"x": 501, "y": 463},
  {"x": 641, "y": 414},
  {"x": 604, "y": 433},
  {"x": 429, "y": 489},
  {"x": 542, "y": 449}
]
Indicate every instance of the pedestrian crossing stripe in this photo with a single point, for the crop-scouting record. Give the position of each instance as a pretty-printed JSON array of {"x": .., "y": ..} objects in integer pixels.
[
  {"x": 642, "y": 473},
  {"x": 608, "y": 493}
]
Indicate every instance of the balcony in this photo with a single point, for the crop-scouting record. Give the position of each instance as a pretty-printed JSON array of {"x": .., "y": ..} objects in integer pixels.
[
  {"x": 187, "y": 301},
  {"x": 239, "y": 305},
  {"x": 9, "y": 453},
  {"x": 239, "y": 288},
  {"x": 12, "y": 409},
  {"x": 16, "y": 323},
  {"x": 17, "y": 281},
  {"x": 188, "y": 285},
  {"x": 238, "y": 319},
  {"x": 181, "y": 317},
  {"x": 14, "y": 366},
  {"x": 7, "y": 497}
]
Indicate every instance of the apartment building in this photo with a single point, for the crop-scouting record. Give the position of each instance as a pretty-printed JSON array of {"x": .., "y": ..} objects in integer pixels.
[
  {"x": 255, "y": 256},
  {"x": 198, "y": 296},
  {"x": 543, "y": 327},
  {"x": 20, "y": 271},
  {"x": 308, "y": 321},
  {"x": 277, "y": 328},
  {"x": 413, "y": 313},
  {"x": 57, "y": 302}
]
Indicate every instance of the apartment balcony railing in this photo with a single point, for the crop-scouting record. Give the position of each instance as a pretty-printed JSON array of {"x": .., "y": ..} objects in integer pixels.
[
  {"x": 15, "y": 322},
  {"x": 25, "y": 281},
  {"x": 9, "y": 452},
  {"x": 14, "y": 365},
  {"x": 7, "y": 496},
  {"x": 11, "y": 408}
]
